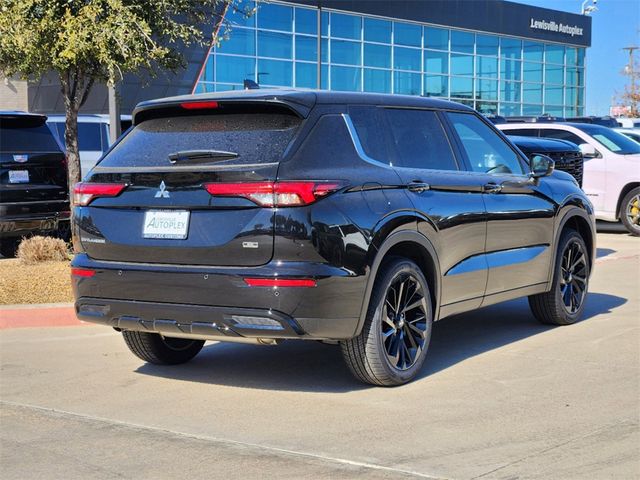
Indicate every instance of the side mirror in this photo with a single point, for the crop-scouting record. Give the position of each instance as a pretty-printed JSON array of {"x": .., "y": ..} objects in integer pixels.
[
  {"x": 541, "y": 166},
  {"x": 588, "y": 150}
]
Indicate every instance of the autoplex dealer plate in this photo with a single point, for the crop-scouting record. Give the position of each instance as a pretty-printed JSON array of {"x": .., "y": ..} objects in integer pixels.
[{"x": 169, "y": 224}]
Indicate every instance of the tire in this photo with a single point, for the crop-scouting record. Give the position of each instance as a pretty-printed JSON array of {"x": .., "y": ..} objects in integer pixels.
[
  {"x": 391, "y": 352},
  {"x": 564, "y": 303},
  {"x": 630, "y": 211},
  {"x": 154, "y": 348},
  {"x": 9, "y": 247}
]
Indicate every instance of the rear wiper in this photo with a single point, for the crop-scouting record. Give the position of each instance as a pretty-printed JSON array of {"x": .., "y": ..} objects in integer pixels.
[{"x": 200, "y": 156}]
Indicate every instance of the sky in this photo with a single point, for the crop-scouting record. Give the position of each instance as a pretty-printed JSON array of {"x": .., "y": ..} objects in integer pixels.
[{"x": 616, "y": 24}]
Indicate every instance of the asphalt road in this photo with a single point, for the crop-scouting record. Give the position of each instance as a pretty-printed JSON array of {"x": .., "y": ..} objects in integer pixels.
[{"x": 501, "y": 397}]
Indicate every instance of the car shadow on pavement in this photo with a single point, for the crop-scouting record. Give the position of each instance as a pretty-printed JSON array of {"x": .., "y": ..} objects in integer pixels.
[
  {"x": 604, "y": 252},
  {"x": 307, "y": 366}
]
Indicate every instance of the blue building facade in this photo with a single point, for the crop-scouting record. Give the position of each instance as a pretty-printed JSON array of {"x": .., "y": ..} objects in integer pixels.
[{"x": 471, "y": 55}]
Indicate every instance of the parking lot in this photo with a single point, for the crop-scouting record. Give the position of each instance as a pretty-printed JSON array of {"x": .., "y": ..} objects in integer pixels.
[{"x": 501, "y": 396}]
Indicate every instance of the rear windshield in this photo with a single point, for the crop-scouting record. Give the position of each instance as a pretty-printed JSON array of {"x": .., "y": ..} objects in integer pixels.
[
  {"x": 27, "y": 139},
  {"x": 255, "y": 138}
]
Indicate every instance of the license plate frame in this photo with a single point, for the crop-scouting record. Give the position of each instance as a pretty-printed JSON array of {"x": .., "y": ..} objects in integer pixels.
[
  {"x": 18, "y": 176},
  {"x": 164, "y": 224}
]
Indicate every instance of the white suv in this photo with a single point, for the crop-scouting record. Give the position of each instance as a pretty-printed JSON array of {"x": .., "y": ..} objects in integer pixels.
[{"x": 611, "y": 166}]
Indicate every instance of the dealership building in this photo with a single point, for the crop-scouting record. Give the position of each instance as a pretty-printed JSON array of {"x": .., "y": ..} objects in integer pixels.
[{"x": 496, "y": 56}]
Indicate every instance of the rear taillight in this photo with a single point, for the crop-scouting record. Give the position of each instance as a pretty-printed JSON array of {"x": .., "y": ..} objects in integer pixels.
[
  {"x": 82, "y": 272},
  {"x": 275, "y": 194},
  {"x": 280, "y": 282},
  {"x": 85, "y": 193},
  {"x": 199, "y": 105}
]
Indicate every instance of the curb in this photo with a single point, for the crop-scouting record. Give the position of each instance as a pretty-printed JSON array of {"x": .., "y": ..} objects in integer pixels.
[{"x": 28, "y": 316}]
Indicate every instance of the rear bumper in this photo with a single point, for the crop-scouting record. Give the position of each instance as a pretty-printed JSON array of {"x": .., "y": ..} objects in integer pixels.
[
  {"x": 216, "y": 302},
  {"x": 18, "y": 219}
]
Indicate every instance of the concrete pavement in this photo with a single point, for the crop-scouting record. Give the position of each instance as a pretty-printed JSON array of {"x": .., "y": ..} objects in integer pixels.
[{"x": 501, "y": 396}]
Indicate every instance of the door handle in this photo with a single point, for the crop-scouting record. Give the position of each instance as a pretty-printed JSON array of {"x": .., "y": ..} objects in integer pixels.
[
  {"x": 417, "y": 186},
  {"x": 492, "y": 188}
]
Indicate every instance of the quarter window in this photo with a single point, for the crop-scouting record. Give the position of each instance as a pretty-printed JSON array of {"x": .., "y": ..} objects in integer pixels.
[
  {"x": 562, "y": 135},
  {"x": 486, "y": 151},
  {"x": 419, "y": 140}
]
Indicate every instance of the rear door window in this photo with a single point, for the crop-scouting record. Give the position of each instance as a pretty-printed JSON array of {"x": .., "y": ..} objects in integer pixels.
[
  {"x": 252, "y": 138},
  {"x": 486, "y": 151},
  {"x": 562, "y": 135},
  {"x": 419, "y": 139}
]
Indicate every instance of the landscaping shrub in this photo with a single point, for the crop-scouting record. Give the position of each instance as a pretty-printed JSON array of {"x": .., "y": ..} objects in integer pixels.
[{"x": 42, "y": 249}]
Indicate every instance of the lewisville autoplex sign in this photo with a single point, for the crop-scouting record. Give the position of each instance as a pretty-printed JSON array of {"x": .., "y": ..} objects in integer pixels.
[{"x": 552, "y": 26}]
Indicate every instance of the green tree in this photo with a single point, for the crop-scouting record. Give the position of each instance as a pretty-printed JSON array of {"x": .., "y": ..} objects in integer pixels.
[{"x": 98, "y": 41}]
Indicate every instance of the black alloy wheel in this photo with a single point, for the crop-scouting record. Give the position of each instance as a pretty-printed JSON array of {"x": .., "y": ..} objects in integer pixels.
[
  {"x": 630, "y": 211},
  {"x": 392, "y": 346},
  {"x": 564, "y": 303},
  {"x": 404, "y": 321}
]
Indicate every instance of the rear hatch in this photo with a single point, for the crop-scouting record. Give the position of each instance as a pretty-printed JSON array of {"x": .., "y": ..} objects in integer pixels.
[
  {"x": 164, "y": 212},
  {"x": 32, "y": 165}
]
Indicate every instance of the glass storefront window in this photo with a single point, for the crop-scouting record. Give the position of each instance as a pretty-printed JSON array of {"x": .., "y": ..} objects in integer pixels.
[
  {"x": 461, "y": 64},
  {"x": 436, "y": 62},
  {"x": 377, "y": 55},
  {"x": 510, "y": 109},
  {"x": 532, "y": 93},
  {"x": 276, "y": 45},
  {"x": 346, "y": 26},
  {"x": 306, "y": 75},
  {"x": 487, "y": 108},
  {"x": 436, "y": 86},
  {"x": 236, "y": 15},
  {"x": 407, "y": 83},
  {"x": 377, "y": 30},
  {"x": 510, "y": 69},
  {"x": 234, "y": 69},
  {"x": 225, "y": 88},
  {"x": 487, "y": 67},
  {"x": 407, "y": 34},
  {"x": 532, "y": 110},
  {"x": 553, "y": 110},
  {"x": 241, "y": 41},
  {"x": 378, "y": 81},
  {"x": 532, "y": 72},
  {"x": 306, "y": 21},
  {"x": 461, "y": 87},
  {"x": 345, "y": 79},
  {"x": 552, "y": 95},
  {"x": 571, "y": 96},
  {"x": 275, "y": 17},
  {"x": 306, "y": 48},
  {"x": 345, "y": 52},
  {"x": 510, "y": 91},
  {"x": 553, "y": 74},
  {"x": 406, "y": 58},
  {"x": 462, "y": 41},
  {"x": 486, "y": 89},
  {"x": 581, "y": 57},
  {"x": 275, "y": 72},
  {"x": 486, "y": 45},
  {"x": 511, "y": 48},
  {"x": 207, "y": 72},
  {"x": 533, "y": 51},
  {"x": 575, "y": 76},
  {"x": 324, "y": 23},
  {"x": 324, "y": 50},
  {"x": 571, "y": 55},
  {"x": 436, "y": 38},
  {"x": 554, "y": 54}
]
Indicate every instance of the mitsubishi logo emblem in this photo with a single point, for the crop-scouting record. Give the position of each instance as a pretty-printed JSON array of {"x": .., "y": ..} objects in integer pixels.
[{"x": 162, "y": 191}]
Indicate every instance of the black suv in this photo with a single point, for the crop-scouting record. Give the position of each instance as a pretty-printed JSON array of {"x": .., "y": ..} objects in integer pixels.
[
  {"x": 358, "y": 218},
  {"x": 566, "y": 155},
  {"x": 34, "y": 195}
]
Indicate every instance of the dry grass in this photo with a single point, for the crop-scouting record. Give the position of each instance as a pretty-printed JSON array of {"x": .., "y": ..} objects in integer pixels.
[
  {"x": 45, "y": 282},
  {"x": 42, "y": 249}
]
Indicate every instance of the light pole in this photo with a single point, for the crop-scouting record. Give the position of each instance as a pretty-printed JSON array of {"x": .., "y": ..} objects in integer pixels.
[{"x": 587, "y": 9}]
